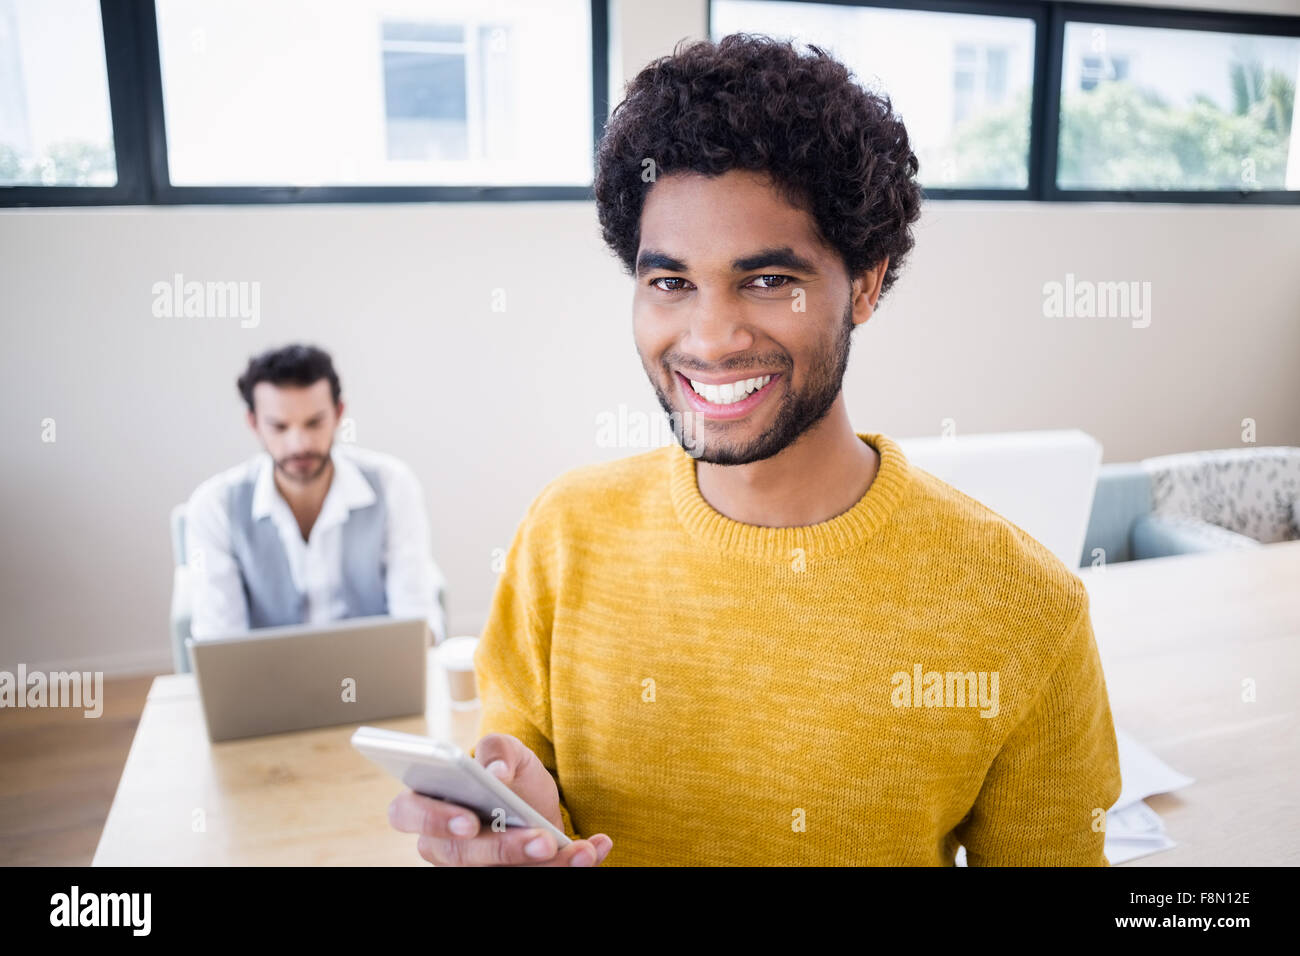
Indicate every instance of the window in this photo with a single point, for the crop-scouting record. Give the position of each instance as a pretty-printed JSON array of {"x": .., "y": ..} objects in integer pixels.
[
  {"x": 55, "y": 122},
  {"x": 218, "y": 101},
  {"x": 231, "y": 101},
  {"x": 1064, "y": 101},
  {"x": 322, "y": 93},
  {"x": 979, "y": 80},
  {"x": 426, "y": 112},
  {"x": 962, "y": 83},
  {"x": 1145, "y": 108},
  {"x": 448, "y": 92}
]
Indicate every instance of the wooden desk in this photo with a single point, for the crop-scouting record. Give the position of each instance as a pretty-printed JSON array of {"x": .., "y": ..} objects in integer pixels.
[
  {"x": 300, "y": 799},
  {"x": 1176, "y": 636}
]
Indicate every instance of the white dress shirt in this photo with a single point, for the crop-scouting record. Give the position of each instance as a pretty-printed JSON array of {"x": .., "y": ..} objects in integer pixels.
[{"x": 412, "y": 580}]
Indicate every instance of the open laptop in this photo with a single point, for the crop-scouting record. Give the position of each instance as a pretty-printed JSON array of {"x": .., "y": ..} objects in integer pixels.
[{"x": 276, "y": 679}]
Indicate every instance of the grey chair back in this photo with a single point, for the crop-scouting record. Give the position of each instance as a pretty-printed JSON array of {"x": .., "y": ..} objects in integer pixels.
[{"x": 1123, "y": 495}]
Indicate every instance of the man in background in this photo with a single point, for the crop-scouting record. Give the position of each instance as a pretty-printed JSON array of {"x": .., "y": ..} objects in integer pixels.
[{"x": 307, "y": 531}]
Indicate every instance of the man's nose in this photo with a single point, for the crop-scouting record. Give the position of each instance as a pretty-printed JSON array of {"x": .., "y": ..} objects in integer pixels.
[{"x": 718, "y": 328}]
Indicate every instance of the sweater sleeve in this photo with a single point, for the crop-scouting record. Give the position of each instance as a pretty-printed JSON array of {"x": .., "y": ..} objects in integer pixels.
[
  {"x": 512, "y": 661},
  {"x": 1045, "y": 796}
]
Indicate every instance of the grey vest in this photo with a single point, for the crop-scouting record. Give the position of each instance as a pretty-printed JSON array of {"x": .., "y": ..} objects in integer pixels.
[{"x": 272, "y": 597}]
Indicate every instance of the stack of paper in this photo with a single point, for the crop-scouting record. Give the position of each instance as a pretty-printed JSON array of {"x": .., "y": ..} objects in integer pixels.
[{"x": 1132, "y": 828}]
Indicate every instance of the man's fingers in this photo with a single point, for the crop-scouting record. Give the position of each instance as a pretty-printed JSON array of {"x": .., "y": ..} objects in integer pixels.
[
  {"x": 514, "y": 847},
  {"x": 581, "y": 853},
  {"x": 412, "y": 812},
  {"x": 502, "y": 755}
]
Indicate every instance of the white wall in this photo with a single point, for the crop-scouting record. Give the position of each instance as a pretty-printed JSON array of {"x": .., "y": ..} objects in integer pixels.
[{"x": 488, "y": 406}]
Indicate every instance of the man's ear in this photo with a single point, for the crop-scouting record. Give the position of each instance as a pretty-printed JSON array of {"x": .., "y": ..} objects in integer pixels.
[
  {"x": 252, "y": 422},
  {"x": 866, "y": 291}
]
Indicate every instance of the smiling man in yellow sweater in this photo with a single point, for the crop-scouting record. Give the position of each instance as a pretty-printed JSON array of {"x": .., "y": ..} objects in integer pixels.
[{"x": 777, "y": 642}]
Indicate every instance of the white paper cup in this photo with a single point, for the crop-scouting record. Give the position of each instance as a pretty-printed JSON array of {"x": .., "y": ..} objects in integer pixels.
[{"x": 455, "y": 656}]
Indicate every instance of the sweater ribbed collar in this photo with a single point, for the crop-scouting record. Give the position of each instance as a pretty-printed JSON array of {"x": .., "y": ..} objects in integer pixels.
[{"x": 844, "y": 531}]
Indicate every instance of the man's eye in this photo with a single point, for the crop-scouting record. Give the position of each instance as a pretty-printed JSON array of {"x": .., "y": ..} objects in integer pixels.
[
  {"x": 784, "y": 281},
  {"x": 656, "y": 284}
]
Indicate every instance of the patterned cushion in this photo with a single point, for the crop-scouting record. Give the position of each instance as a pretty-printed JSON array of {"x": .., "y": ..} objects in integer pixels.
[{"x": 1252, "y": 491}]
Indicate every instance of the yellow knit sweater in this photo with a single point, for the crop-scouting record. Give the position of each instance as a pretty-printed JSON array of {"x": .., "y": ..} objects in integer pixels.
[{"x": 912, "y": 675}]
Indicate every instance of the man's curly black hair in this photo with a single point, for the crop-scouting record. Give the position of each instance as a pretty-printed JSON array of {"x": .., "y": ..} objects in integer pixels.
[{"x": 753, "y": 102}]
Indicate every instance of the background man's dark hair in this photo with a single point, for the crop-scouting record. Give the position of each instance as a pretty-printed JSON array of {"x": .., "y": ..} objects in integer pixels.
[
  {"x": 752, "y": 102},
  {"x": 298, "y": 365}
]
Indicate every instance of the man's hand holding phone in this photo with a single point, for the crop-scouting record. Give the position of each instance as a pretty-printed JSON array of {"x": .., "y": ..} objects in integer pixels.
[{"x": 451, "y": 835}]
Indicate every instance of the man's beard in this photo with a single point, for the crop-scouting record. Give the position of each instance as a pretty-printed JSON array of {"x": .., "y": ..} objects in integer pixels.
[
  {"x": 298, "y": 476},
  {"x": 797, "y": 413}
]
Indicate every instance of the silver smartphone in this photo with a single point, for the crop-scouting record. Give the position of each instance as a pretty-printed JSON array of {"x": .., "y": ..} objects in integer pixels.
[{"x": 445, "y": 772}]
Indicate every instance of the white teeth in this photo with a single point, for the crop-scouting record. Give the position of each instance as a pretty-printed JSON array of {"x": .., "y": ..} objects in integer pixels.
[{"x": 729, "y": 393}]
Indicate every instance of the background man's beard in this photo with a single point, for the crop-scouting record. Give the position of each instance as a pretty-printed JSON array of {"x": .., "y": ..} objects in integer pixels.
[
  {"x": 797, "y": 413},
  {"x": 298, "y": 476}
]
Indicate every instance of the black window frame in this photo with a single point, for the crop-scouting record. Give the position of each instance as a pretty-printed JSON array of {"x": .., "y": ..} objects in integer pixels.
[
  {"x": 140, "y": 136},
  {"x": 139, "y": 126},
  {"x": 1050, "y": 17},
  {"x": 1180, "y": 19}
]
